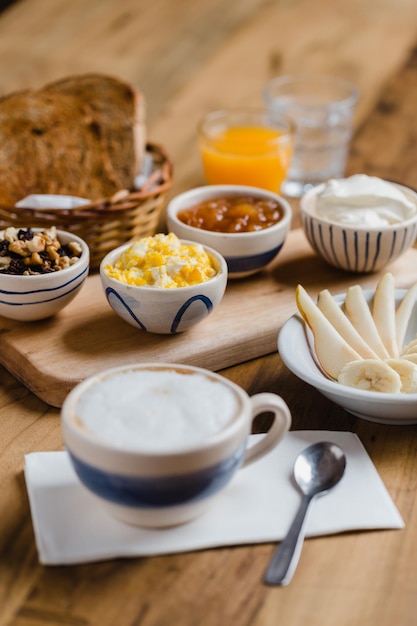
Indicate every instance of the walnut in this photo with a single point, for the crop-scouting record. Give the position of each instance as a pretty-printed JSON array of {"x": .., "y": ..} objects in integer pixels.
[
  {"x": 63, "y": 262},
  {"x": 37, "y": 244},
  {"x": 10, "y": 234},
  {"x": 52, "y": 251},
  {"x": 75, "y": 248},
  {"x": 18, "y": 247},
  {"x": 33, "y": 259}
]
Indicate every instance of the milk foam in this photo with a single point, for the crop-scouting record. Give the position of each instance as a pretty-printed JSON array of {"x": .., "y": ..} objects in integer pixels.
[{"x": 156, "y": 410}]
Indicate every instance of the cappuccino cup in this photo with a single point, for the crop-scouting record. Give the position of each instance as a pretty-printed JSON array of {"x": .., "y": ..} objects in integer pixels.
[{"x": 156, "y": 442}]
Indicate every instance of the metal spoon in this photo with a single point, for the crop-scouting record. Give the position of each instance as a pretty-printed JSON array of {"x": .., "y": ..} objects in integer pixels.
[{"x": 316, "y": 470}]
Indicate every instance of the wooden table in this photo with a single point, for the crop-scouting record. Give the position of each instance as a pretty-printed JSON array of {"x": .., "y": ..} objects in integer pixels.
[{"x": 189, "y": 57}]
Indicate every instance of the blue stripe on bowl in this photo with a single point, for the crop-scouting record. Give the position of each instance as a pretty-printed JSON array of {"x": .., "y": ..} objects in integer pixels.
[
  {"x": 158, "y": 492},
  {"x": 394, "y": 239},
  {"x": 31, "y": 291},
  {"x": 377, "y": 252},
  {"x": 184, "y": 308},
  {"x": 112, "y": 293},
  {"x": 42, "y": 300},
  {"x": 345, "y": 250},
  {"x": 113, "y": 297},
  {"x": 45, "y": 290},
  {"x": 246, "y": 263},
  {"x": 317, "y": 240}
]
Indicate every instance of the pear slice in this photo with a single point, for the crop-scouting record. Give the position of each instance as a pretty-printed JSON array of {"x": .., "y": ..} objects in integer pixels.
[
  {"x": 360, "y": 315},
  {"x": 403, "y": 314},
  {"x": 332, "y": 351},
  {"x": 329, "y": 307},
  {"x": 383, "y": 312}
]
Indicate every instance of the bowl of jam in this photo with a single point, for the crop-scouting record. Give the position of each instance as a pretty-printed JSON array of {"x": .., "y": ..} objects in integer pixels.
[{"x": 247, "y": 225}]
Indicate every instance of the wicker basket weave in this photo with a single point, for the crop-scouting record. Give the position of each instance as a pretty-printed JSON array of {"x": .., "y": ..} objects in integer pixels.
[{"x": 109, "y": 222}]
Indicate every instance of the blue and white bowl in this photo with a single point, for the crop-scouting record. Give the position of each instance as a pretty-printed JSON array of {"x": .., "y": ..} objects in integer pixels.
[
  {"x": 160, "y": 310},
  {"x": 245, "y": 253},
  {"x": 30, "y": 298},
  {"x": 361, "y": 249}
]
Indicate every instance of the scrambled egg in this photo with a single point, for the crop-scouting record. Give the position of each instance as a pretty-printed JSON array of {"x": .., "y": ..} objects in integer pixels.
[{"x": 162, "y": 261}]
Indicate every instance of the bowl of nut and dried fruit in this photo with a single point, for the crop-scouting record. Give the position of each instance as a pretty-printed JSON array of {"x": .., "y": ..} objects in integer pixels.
[{"x": 41, "y": 271}]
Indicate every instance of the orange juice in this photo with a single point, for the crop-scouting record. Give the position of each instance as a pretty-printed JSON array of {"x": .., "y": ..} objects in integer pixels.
[{"x": 247, "y": 155}]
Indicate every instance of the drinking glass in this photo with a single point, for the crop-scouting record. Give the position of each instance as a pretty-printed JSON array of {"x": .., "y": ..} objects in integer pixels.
[
  {"x": 246, "y": 147},
  {"x": 322, "y": 108}
]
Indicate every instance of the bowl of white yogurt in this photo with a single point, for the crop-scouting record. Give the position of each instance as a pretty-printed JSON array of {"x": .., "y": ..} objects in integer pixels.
[{"x": 360, "y": 223}]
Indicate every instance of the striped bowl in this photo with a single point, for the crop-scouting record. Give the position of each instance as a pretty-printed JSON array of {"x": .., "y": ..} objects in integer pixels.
[
  {"x": 354, "y": 248},
  {"x": 29, "y": 298}
]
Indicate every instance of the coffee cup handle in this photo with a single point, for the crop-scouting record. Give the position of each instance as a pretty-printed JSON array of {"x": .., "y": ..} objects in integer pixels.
[{"x": 269, "y": 402}]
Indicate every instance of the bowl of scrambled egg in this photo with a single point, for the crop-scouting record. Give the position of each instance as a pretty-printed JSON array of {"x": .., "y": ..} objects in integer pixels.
[{"x": 162, "y": 284}]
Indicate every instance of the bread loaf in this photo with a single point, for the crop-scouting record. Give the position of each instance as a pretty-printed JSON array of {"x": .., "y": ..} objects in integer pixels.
[{"x": 83, "y": 135}]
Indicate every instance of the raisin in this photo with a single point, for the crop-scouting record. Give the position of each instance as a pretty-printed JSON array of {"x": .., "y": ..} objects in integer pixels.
[
  {"x": 16, "y": 266},
  {"x": 65, "y": 250},
  {"x": 25, "y": 234}
]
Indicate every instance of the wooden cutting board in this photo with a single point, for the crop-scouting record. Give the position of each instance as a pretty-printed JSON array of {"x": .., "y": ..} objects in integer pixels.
[{"x": 51, "y": 356}]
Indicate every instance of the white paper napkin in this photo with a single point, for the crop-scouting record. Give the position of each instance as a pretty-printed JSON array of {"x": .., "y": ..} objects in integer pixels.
[
  {"x": 51, "y": 201},
  {"x": 257, "y": 506}
]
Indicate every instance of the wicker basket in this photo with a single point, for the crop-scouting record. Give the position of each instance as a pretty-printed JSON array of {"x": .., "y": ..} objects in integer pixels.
[{"x": 110, "y": 222}]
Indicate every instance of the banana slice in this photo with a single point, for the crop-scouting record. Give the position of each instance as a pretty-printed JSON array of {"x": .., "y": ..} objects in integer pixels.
[
  {"x": 412, "y": 356},
  {"x": 408, "y": 373},
  {"x": 371, "y": 375},
  {"x": 411, "y": 347}
]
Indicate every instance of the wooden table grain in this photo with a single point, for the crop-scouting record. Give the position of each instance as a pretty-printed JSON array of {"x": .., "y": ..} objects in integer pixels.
[{"x": 189, "y": 57}]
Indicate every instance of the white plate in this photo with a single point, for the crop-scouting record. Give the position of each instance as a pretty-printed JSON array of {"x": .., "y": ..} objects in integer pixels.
[{"x": 296, "y": 349}]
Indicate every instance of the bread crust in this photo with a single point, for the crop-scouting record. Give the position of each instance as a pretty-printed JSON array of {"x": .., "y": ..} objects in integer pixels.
[{"x": 82, "y": 135}]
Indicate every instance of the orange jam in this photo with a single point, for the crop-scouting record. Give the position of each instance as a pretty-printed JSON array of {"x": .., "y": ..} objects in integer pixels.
[{"x": 233, "y": 214}]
